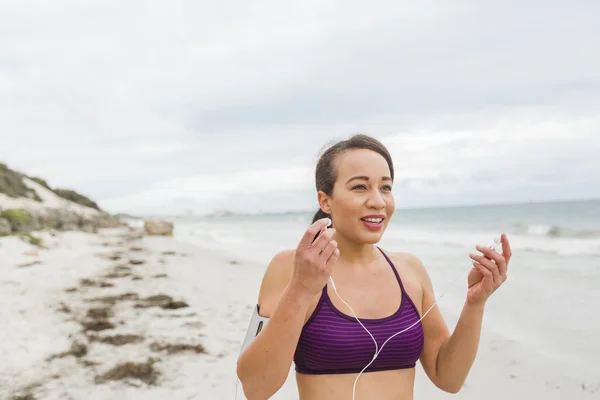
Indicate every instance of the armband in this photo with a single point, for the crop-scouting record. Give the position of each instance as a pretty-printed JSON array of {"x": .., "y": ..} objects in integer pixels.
[{"x": 257, "y": 323}]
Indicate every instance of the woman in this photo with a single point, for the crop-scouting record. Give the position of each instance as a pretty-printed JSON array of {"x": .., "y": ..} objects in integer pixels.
[{"x": 388, "y": 291}]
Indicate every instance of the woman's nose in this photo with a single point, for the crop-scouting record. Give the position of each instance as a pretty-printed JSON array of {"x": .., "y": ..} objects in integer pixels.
[{"x": 376, "y": 200}]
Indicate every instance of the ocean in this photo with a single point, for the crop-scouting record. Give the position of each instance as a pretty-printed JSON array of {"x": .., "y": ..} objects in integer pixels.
[
  {"x": 561, "y": 229},
  {"x": 547, "y": 303}
]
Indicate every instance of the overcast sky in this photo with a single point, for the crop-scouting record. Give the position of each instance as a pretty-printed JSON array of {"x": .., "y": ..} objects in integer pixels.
[{"x": 159, "y": 107}]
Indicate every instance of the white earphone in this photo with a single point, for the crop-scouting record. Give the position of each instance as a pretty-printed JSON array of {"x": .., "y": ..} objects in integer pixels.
[{"x": 377, "y": 351}]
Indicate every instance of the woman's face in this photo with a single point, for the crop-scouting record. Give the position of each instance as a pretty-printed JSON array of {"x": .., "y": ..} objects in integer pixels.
[{"x": 362, "y": 202}]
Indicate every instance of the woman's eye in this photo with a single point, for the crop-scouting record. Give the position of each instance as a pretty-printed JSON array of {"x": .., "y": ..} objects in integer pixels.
[
  {"x": 359, "y": 187},
  {"x": 387, "y": 188}
]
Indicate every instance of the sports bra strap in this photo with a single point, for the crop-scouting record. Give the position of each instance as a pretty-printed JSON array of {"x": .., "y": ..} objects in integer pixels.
[{"x": 395, "y": 271}]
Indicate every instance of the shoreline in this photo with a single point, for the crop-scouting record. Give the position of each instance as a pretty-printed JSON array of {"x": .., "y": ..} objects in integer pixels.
[{"x": 117, "y": 314}]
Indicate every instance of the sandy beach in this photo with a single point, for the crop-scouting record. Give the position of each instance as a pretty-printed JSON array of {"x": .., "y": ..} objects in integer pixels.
[
  {"x": 156, "y": 155},
  {"x": 121, "y": 315}
]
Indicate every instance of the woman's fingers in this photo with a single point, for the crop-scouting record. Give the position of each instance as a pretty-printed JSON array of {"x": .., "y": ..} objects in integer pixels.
[
  {"x": 498, "y": 258},
  {"x": 309, "y": 235},
  {"x": 333, "y": 257},
  {"x": 506, "y": 250},
  {"x": 489, "y": 265},
  {"x": 328, "y": 250},
  {"x": 483, "y": 270},
  {"x": 323, "y": 241}
]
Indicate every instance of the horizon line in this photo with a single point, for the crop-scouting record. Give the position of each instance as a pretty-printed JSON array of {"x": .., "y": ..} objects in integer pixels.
[{"x": 215, "y": 213}]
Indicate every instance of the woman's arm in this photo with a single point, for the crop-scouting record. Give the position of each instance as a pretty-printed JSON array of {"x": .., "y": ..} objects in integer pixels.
[
  {"x": 457, "y": 353},
  {"x": 264, "y": 365},
  {"x": 291, "y": 281},
  {"x": 447, "y": 359}
]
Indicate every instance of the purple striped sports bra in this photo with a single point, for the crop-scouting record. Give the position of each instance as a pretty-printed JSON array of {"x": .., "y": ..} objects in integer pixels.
[{"x": 332, "y": 342}]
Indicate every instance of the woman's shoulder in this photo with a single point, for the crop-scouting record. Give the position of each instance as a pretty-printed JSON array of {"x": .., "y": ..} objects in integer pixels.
[
  {"x": 410, "y": 261},
  {"x": 281, "y": 263},
  {"x": 276, "y": 277},
  {"x": 414, "y": 275}
]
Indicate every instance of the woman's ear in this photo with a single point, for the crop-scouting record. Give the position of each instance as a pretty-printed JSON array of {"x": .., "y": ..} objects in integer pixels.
[{"x": 324, "y": 201}]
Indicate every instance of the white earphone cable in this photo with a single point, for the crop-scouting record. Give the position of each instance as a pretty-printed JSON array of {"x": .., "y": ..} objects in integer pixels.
[{"x": 377, "y": 351}]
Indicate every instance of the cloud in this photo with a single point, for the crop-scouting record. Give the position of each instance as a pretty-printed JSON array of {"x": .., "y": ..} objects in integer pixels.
[
  {"x": 218, "y": 188},
  {"x": 509, "y": 158},
  {"x": 143, "y": 103}
]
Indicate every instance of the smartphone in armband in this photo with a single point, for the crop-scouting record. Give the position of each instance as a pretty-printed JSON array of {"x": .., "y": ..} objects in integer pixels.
[{"x": 257, "y": 323}]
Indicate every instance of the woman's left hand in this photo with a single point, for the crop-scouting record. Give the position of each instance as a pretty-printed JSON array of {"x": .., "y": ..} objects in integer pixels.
[{"x": 488, "y": 273}]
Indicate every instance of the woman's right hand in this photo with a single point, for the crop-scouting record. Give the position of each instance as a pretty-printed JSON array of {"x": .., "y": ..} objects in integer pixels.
[{"x": 313, "y": 261}]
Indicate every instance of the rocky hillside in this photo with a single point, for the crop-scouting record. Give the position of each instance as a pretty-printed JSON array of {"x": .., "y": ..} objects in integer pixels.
[
  {"x": 12, "y": 185},
  {"x": 29, "y": 203}
]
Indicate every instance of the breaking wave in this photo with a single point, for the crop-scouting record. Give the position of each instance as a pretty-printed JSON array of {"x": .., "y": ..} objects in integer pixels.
[{"x": 555, "y": 231}]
